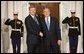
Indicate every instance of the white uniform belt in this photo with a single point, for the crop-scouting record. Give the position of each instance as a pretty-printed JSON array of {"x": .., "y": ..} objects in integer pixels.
[
  {"x": 73, "y": 27},
  {"x": 16, "y": 29}
]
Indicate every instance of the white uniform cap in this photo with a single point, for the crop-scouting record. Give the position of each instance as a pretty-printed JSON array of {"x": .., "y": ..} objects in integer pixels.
[
  {"x": 72, "y": 11},
  {"x": 15, "y": 12}
]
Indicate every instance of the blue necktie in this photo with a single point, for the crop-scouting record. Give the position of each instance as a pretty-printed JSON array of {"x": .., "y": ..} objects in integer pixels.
[
  {"x": 36, "y": 20},
  {"x": 47, "y": 24}
]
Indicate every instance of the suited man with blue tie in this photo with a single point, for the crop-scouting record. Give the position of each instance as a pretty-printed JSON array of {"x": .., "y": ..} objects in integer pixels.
[
  {"x": 51, "y": 32},
  {"x": 33, "y": 31}
]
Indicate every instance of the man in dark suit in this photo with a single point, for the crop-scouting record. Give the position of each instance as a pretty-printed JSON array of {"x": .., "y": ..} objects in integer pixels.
[
  {"x": 51, "y": 32},
  {"x": 33, "y": 31},
  {"x": 74, "y": 31},
  {"x": 16, "y": 32}
]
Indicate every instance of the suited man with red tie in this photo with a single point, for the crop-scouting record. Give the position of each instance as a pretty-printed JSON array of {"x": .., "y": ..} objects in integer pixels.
[{"x": 51, "y": 32}]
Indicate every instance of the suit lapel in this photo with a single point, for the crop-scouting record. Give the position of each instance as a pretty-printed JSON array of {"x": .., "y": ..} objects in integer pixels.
[{"x": 33, "y": 19}]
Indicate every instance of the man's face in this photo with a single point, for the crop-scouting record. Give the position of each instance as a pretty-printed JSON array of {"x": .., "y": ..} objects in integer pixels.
[
  {"x": 32, "y": 11},
  {"x": 72, "y": 15},
  {"x": 46, "y": 12},
  {"x": 15, "y": 16}
]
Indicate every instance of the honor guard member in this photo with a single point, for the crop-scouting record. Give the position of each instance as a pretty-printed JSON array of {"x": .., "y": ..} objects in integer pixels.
[
  {"x": 16, "y": 32},
  {"x": 74, "y": 31}
]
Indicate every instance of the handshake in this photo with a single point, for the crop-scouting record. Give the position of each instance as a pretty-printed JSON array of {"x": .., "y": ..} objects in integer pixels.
[{"x": 41, "y": 34}]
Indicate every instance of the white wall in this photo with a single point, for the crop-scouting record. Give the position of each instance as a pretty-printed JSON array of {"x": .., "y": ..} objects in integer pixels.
[
  {"x": 79, "y": 13},
  {"x": 4, "y": 35}
]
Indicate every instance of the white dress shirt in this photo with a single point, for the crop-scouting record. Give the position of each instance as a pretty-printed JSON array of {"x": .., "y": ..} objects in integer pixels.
[
  {"x": 48, "y": 19},
  {"x": 32, "y": 16}
]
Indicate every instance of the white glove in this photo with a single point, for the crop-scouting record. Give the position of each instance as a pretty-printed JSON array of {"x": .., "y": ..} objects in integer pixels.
[{"x": 41, "y": 34}]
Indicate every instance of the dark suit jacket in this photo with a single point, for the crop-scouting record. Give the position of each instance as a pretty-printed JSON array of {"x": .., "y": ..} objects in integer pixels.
[
  {"x": 53, "y": 34},
  {"x": 33, "y": 30}
]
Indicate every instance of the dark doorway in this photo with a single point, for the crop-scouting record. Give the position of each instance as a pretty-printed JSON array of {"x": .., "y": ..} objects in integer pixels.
[{"x": 54, "y": 8}]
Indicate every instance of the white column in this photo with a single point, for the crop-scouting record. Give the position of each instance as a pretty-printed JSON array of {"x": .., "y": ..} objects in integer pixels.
[
  {"x": 10, "y": 9},
  {"x": 64, "y": 12},
  {"x": 79, "y": 13},
  {"x": 10, "y": 15},
  {"x": 5, "y": 35},
  {"x": 25, "y": 13},
  {"x": 18, "y": 8}
]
